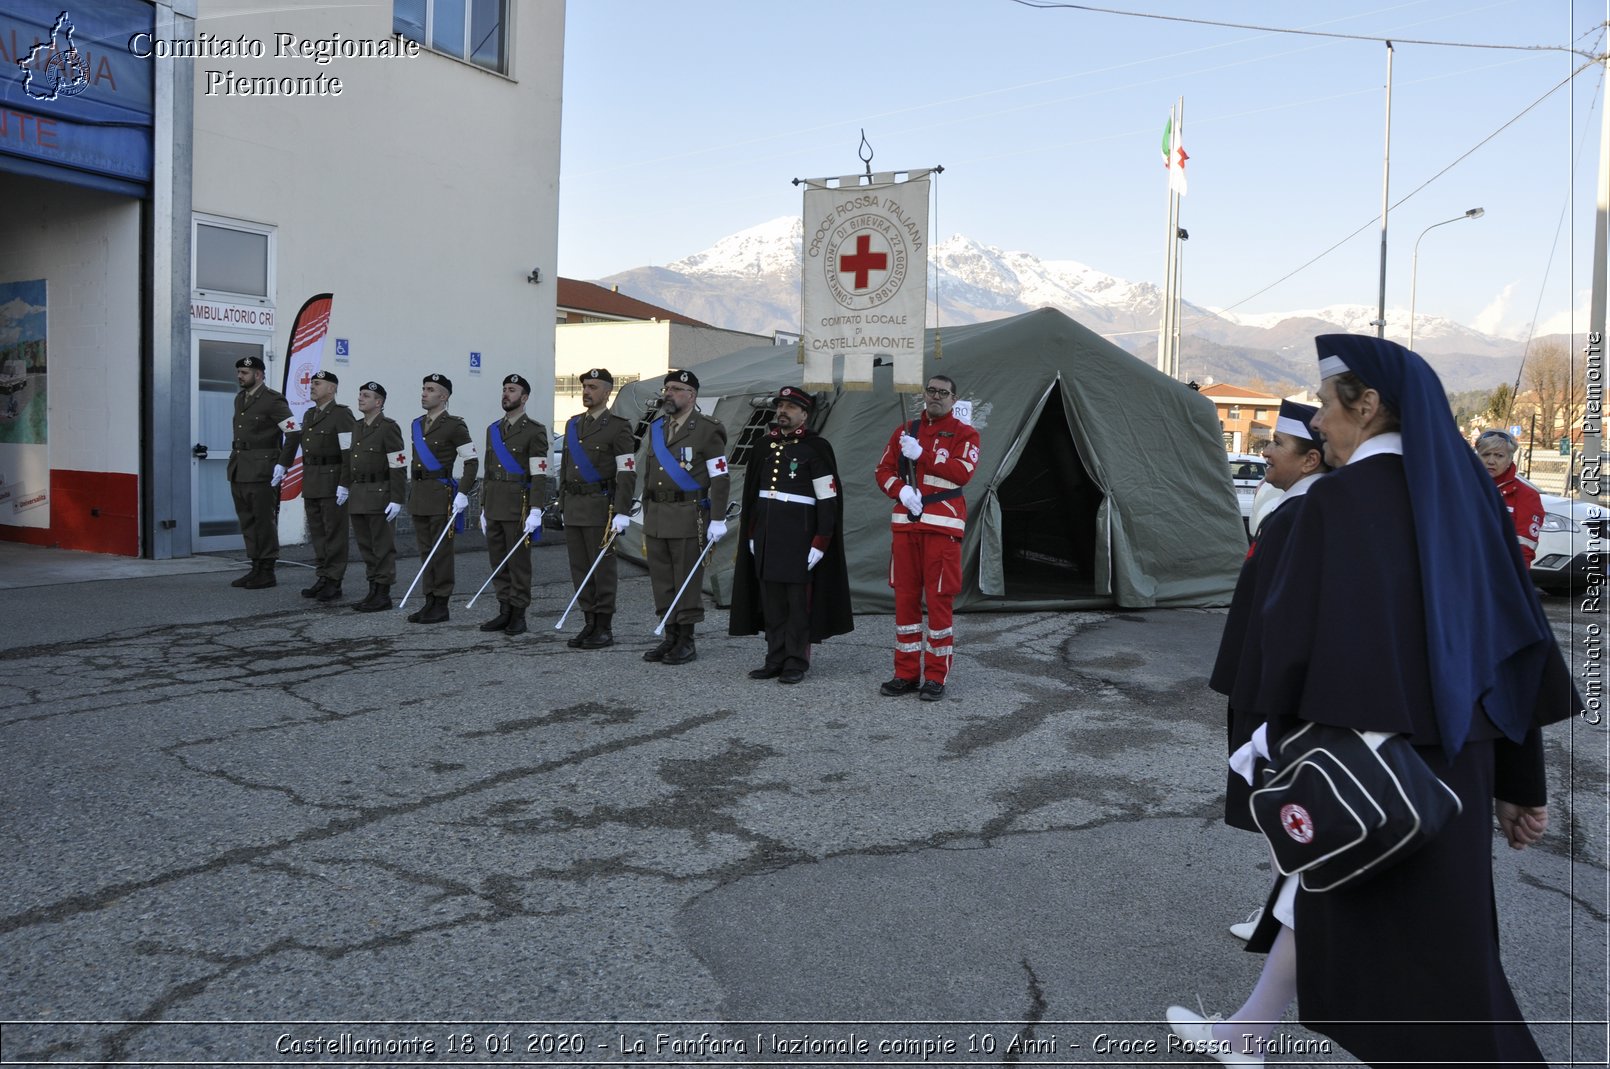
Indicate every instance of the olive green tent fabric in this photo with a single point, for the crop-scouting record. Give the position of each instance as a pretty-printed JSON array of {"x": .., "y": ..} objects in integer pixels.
[{"x": 1101, "y": 481}]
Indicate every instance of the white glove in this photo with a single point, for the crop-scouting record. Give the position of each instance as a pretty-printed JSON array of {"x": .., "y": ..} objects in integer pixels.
[
  {"x": 279, "y": 475},
  {"x": 910, "y": 448},
  {"x": 911, "y": 499},
  {"x": 392, "y": 510},
  {"x": 341, "y": 494},
  {"x": 460, "y": 503},
  {"x": 813, "y": 558},
  {"x": 717, "y": 530},
  {"x": 483, "y": 520},
  {"x": 751, "y": 547},
  {"x": 533, "y": 523},
  {"x": 620, "y": 523}
]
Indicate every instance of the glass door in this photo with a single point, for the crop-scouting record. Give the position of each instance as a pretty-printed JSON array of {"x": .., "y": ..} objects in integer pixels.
[{"x": 216, "y": 528}]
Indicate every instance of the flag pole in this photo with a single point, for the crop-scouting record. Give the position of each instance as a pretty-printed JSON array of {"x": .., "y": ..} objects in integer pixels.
[
  {"x": 1386, "y": 201},
  {"x": 1164, "y": 325},
  {"x": 1174, "y": 342}
]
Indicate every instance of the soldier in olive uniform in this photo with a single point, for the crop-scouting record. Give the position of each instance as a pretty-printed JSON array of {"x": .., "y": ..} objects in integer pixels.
[
  {"x": 326, "y": 477},
  {"x": 513, "y": 491},
  {"x": 685, "y": 488},
  {"x": 264, "y": 444},
  {"x": 437, "y": 499},
  {"x": 379, "y": 488},
  {"x": 599, "y": 470}
]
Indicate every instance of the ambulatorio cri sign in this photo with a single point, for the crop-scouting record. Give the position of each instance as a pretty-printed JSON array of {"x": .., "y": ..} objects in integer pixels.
[{"x": 243, "y": 316}]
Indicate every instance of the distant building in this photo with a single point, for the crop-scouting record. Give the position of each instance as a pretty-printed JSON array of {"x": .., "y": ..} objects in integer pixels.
[
  {"x": 1247, "y": 417},
  {"x": 182, "y": 183},
  {"x": 599, "y": 327}
]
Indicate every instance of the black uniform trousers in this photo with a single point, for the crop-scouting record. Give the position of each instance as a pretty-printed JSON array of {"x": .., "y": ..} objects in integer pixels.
[
  {"x": 582, "y": 544},
  {"x": 257, "y": 507},
  {"x": 787, "y": 608}
]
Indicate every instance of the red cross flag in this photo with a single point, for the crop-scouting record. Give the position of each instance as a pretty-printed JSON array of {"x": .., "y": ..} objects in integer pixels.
[{"x": 864, "y": 287}]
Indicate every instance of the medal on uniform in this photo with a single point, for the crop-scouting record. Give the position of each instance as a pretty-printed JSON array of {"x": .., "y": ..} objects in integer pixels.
[
  {"x": 793, "y": 465},
  {"x": 687, "y": 457}
]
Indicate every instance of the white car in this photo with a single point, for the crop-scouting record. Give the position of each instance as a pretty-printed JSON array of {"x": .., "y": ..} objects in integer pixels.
[
  {"x": 1571, "y": 546},
  {"x": 1246, "y": 472}
]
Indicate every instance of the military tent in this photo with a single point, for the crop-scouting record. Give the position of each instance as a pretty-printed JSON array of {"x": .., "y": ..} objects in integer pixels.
[{"x": 1102, "y": 481}]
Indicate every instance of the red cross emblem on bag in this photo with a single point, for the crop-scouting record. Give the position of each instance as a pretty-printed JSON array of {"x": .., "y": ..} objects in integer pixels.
[{"x": 1298, "y": 824}]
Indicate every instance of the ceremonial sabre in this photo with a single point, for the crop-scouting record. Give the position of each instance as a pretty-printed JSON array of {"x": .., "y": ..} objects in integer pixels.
[
  {"x": 426, "y": 564},
  {"x": 732, "y": 510},
  {"x": 609, "y": 539},
  {"x": 517, "y": 544}
]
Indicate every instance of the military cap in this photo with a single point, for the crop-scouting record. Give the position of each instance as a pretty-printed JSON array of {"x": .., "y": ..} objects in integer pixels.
[
  {"x": 516, "y": 380},
  {"x": 796, "y": 396},
  {"x": 326, "y": 376},
  {"x": 599, "y": 373},
  {"x": 441, "y": 380},
  {"x": 254, "y": 363},
  {"x": 687, "y": 378},
  {"x": 374, "y": 387}
]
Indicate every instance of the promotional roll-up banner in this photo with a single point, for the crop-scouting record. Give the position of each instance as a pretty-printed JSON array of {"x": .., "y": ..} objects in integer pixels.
[{"x": 308, "y": 331}]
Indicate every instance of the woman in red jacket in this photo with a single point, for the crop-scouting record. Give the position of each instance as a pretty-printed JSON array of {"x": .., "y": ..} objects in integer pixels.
[{"x": 1497, "y": 452}]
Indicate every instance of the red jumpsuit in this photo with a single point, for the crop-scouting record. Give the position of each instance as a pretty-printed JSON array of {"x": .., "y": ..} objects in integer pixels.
[
  {"x": 926, "y": 562},
  {"x": 1525, "y": 508}
]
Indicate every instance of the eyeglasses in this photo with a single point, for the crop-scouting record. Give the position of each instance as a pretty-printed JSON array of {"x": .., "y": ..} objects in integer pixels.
[{"x": 932, "y": 392}]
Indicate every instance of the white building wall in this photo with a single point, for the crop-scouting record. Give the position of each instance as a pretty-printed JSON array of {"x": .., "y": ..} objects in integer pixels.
[
  {"x": 86, "y": 245},
  {"x": 421, "y": 197}
]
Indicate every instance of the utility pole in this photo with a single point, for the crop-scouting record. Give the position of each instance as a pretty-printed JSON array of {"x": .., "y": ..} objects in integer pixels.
[{"x": 1386, "y": 202}]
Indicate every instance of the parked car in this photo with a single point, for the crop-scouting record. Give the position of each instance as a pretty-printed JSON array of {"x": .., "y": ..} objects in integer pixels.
[
  {"x": 1571, "y": 546},
  {"x": 1246, "y": 472}
]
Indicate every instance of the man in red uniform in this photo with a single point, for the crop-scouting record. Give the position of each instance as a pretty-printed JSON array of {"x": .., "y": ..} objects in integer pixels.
[
  {"x": 1496, "y": 450},
  {"x": 924, "y": 467}
]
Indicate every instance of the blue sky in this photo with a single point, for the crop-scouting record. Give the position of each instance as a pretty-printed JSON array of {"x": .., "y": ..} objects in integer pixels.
[{"x": 685, "y": 122}]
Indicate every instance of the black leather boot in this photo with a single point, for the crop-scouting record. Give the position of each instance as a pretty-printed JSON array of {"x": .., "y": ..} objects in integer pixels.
[
  {"x": 579, "y": 641},
  {"x": 261, "y": 577},
  {"x": 683, "y": 652},
  {"x": 516, "y": 622},
  {"x": 319, "y": 583},
  {"x": 601, "y": 636},
  {"x": 666, "y": 644},
  {"x": 243, "y": 580},
  {"x": 418, "y": 615},
  {"x": 435, "y": 611},
  {"x": 331, "y": 591},
  {"x": 379, "y": 599},
  {"x": 501, "y": 620}
]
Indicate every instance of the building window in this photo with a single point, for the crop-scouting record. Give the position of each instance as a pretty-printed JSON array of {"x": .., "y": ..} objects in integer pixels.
[
  {"x": 1260, "y": 414},
  {"x": 753, "y": 431},
  {"x": 1235, "y": 411},
  {"x": 475, "y": 31},
  {"x": 233, "y": 259}
]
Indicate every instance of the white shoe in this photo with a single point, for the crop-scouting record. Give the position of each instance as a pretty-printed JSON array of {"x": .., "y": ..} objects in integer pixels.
[
  {"x": 1243, "y": 931},
  {"x": 1197, "y": 1032}
]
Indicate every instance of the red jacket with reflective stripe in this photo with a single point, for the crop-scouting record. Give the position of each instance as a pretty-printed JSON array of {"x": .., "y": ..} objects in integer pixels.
[
  {"x": 949, "y": 457},
  {"x": 1525, "y": 508}
]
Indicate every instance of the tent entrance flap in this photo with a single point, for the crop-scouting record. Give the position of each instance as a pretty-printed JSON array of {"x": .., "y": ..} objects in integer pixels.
[{"x": 1049, "y": 515}]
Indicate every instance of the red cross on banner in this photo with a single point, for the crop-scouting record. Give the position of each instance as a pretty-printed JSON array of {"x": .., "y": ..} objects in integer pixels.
[
  {"x": 542, "y": 467},
  {"x": 721, "y": 464},
  {"x": 863, "y": 262}
]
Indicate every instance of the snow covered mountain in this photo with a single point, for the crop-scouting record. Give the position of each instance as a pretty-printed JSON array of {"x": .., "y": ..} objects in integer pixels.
[{"x": 750, "y": 281}]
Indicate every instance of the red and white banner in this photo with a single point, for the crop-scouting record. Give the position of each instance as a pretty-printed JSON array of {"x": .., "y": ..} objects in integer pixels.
[
  {"x": 865, "y": 283},
  {"x": 308, "y": 331}
]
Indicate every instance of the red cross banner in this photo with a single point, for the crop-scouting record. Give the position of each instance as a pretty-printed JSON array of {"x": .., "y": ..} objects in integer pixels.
[{"x": 865, "y": 284}]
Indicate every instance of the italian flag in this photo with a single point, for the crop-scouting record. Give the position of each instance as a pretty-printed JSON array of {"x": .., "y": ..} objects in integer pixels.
[{"x": 1174, "y": 156}]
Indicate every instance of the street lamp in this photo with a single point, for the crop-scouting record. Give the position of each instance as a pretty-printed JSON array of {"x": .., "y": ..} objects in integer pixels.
[{"x": 1414, "y": 261}]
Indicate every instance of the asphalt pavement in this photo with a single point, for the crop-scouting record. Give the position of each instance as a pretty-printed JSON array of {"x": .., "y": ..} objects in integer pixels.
[{"x": 243, "y": 827}]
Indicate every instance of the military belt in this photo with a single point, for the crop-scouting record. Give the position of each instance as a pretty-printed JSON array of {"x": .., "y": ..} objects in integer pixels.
[
  {"x": 321, "y": 462},
  {"x": 663, "y": 496},
  {"x": 371, "y": 477},
  {"x": 603, "y": 487},
  {"x": 505, "y": 477},
  {"x": 242, "y": 445}
]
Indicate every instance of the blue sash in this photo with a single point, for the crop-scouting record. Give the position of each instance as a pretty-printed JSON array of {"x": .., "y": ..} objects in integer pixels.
[
  {"x": 506, "y": 458},
  {"x": 682, "y": 477},
  {"x": 427, "y": 458},
  {"x": 578, "y": 455}
]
